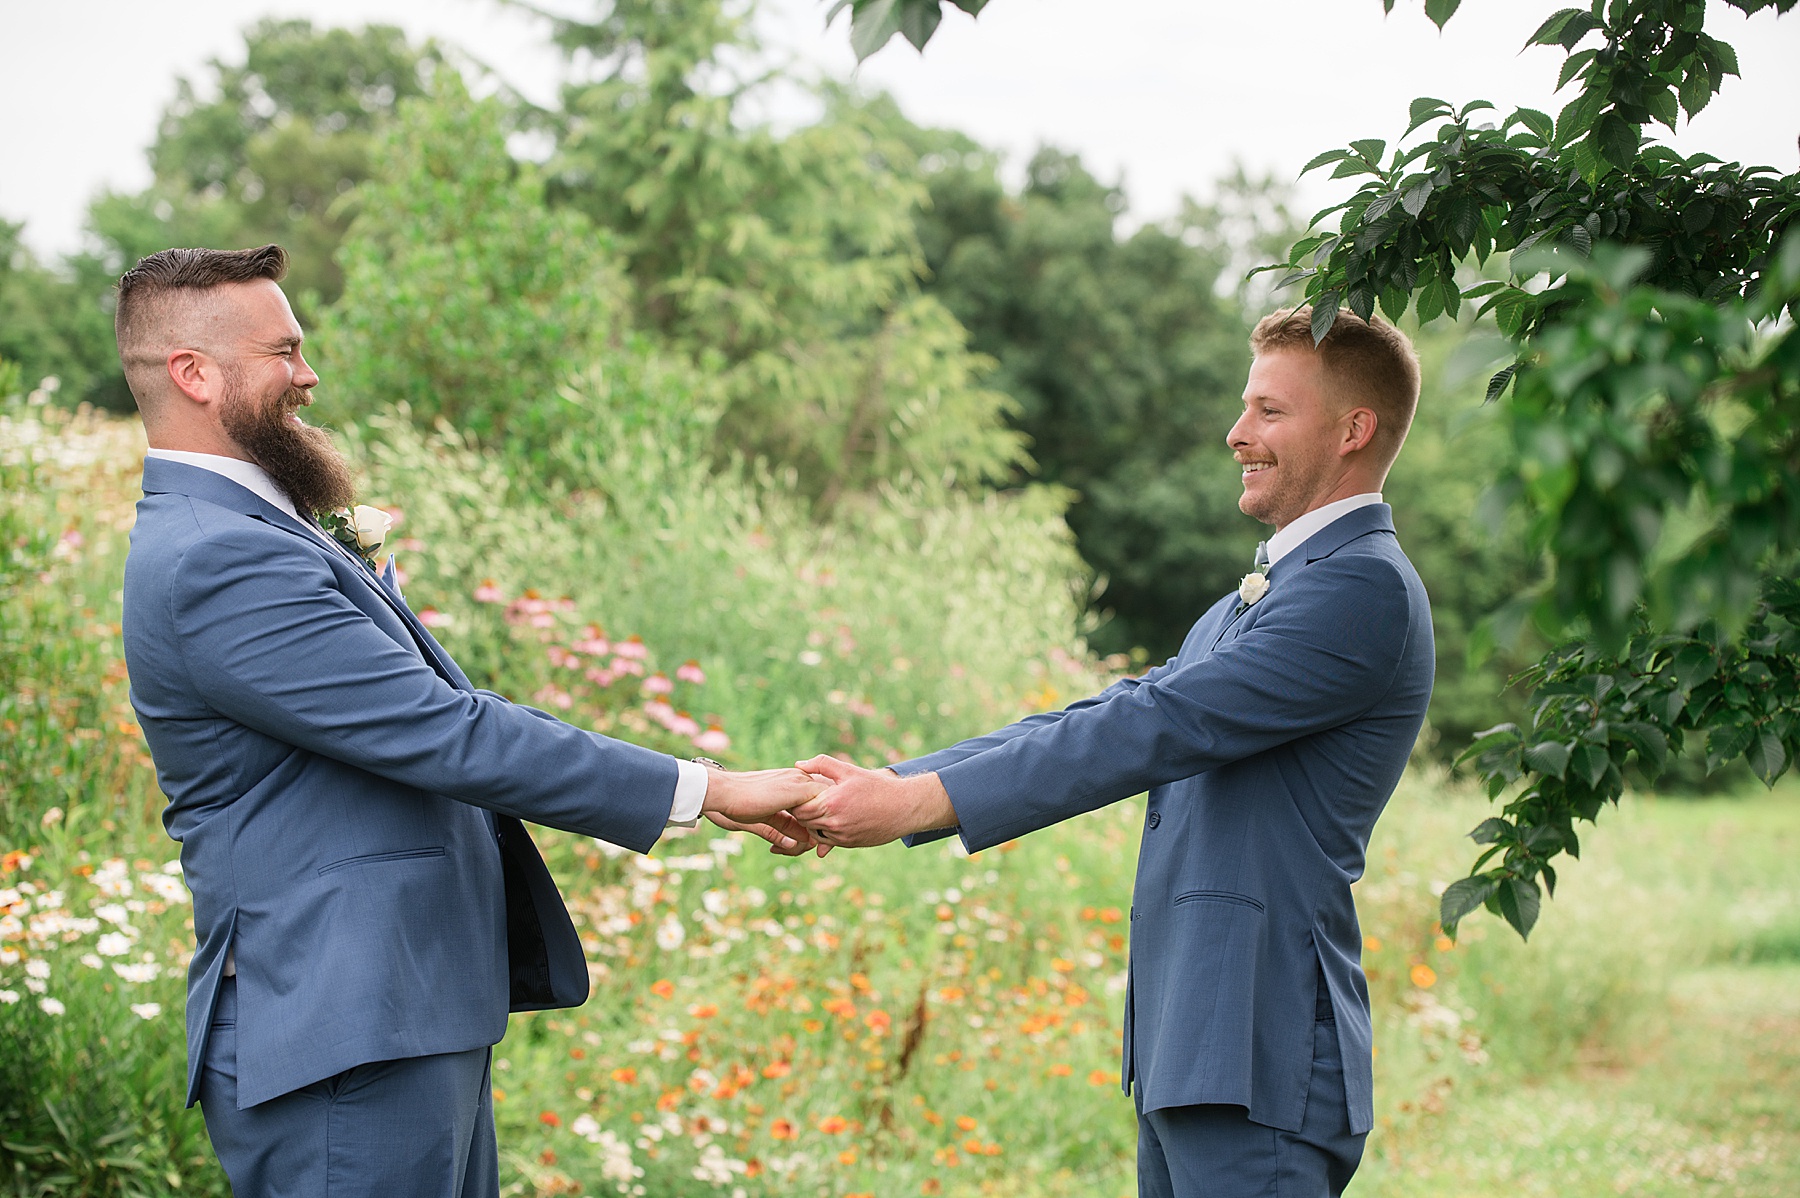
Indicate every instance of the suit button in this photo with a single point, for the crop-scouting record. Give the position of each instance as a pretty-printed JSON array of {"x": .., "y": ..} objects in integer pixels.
[{"x": 1155, "y": 818}]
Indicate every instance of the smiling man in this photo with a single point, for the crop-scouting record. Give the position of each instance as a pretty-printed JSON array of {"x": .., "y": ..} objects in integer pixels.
[
  {"x": 1269, "y": 746},
  {"x": 368, "y": 905}
]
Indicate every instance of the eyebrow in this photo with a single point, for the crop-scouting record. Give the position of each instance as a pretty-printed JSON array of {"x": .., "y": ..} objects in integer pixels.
[{"x": 285, "y": 342}]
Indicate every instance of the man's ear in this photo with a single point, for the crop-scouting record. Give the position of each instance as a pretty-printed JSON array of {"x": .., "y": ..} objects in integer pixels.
[
  {"x": 194, "y": 374},
  {"x": 1359, "y": 431}
]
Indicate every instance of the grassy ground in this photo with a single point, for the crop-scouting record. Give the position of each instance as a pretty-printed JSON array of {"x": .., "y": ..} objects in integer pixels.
[{"x": 1703, "y": 1094}]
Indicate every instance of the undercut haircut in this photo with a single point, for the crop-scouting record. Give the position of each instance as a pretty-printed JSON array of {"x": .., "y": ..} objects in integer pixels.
[
  {"x": 1370, "y": 363},
  {"x": 159, "y": 291}
]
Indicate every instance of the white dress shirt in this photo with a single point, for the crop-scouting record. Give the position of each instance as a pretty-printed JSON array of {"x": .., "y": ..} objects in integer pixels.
[
  {"x": 690, "y": 776},
  {"x": 1296, "y": 534}
]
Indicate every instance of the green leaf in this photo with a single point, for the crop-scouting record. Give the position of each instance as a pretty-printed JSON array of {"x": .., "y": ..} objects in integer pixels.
[
  {"x": 1370, "y": 149},
  {"x": 1324, "y": 315},
  {"x": 1440, "y": 11},
  {"x": 1425, "y": 108},
  {"x": 1491, "y": 831},
  {"x": 1518, "y": 901},
  {"x": 1539, "y": 123},
  {"x": 1552, "y": 31},
  {"x": 1572, "y": 65},
  {"x": 1461, "y": 897},
  {"x": 1767, "y": 757},
  {"x": 919, "y": 20},
  {"x": 1497, "y": 385},
  {"x": 1416, "y": 195},
  {"x": 1322, "y": 159},
  {"x": 872, "y": 25},
  {"x": 1590, "y": 762},
  {"x": 1548, "y": 757},
  {"x": 1617, "y": 140}
]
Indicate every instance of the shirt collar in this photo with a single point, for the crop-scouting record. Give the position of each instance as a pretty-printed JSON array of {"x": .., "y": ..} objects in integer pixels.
[
  {"x": 249, "y": 475},
  {"x": 1299, "y": 531}
]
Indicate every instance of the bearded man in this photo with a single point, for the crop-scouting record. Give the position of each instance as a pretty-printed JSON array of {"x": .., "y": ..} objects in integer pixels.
[
  {"x": 367, "y": 903},
  {"x": 1269, "y": 746}
]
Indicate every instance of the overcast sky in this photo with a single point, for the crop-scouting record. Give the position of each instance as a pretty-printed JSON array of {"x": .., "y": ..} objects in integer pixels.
[{"x": 1163, "y": 94}]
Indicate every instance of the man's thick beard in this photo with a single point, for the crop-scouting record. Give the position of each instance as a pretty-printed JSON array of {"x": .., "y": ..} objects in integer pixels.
[{"x": 301, "y": 459}]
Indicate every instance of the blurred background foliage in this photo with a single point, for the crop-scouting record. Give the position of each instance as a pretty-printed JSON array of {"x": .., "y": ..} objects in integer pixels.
[{"x": 865, "y": 309}]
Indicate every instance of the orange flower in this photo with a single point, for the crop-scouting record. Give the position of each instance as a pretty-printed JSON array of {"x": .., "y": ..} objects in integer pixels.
[
  {"x": 965, "y": 1123},
  {"x": 1111, "y": 915},
  {"x": 847, "y": 1157},
  {"x": 578, "y": 1053},
  {"x": 812, "y": 1025},
  {"x": 861, "y": 982},
  {"x": 777, "y": 1069},
  {"x": 546, "y": 1157},
  {"x": 662, "y": 987},
  {"x": 784, "y": 1129},
  {"x": 1100, "y": 1077},
  {"x": 1090, "y": 913},
  {"x": 931, "y": 1185},
  {"x": 879, "y": 1021},
  {"x": 832, "y": 1125},
  {"x": 753, "y": 1168},
  {"x": 550, "y": 1119},
  {"x": 972, "y": 1146},
  {"x": 669, "y": 1101},
  {"x": 1444, "y": 944},
  {"x": 1371, "y": 944},
  {"x": 499, "y": 1094},
  {"x": 624, "y": 1075},
  {"x": 1062, "y": 965},
  {"x": 951, "y": 993},
  {"x": 991, "y": 1149},
  {"x": 933, "y": 1118},
  {"x": 1060, "y": 1070},
  {"x": 705, "y": 1010},
  {"x": 1424, "y": 976},
  {"x": 946, "y": 1156}
]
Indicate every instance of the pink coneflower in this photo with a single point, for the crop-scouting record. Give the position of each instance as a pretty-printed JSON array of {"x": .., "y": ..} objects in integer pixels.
[
  {"x": 626, "y": 665},
  {"x": 659, "y": 711},
  {"x": 599, "y": 677},
  {"x": 632, "y": 646},
  {"x": 487, "y": 592},
  {"x": 562, "y": 658},
  {"x": 552, "y": 696},
  {"x": 431, "y": 617},
  {"x": 658, "y": 684},
  {"x": 713, "y": 740},
  {"x": 690, "y": 671},
  {"x": 684, "y": 725},
  {"x": 593, "y": 642}
]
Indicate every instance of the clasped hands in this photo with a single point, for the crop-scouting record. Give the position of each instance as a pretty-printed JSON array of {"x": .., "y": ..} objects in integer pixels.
[{"x": 823, "y": 803}]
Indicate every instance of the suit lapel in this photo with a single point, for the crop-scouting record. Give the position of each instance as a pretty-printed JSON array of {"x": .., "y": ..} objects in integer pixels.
[
  {"x": 1376, "y": 517},
  {"x": 162, "y": 475}
]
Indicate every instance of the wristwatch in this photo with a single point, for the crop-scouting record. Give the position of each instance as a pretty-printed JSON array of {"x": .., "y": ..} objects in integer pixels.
[{"x": 708, "y": 762}]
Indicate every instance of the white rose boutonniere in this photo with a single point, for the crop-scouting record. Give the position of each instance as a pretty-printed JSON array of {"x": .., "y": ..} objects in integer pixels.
[
  {"x": 362, "y": 530},
  {"x": 1254, "y": 587}
]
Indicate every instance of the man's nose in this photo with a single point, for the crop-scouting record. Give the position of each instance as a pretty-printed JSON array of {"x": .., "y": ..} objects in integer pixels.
[
  {"x": 305, "y": 376},
  {"x": 1235, "y": 436}
]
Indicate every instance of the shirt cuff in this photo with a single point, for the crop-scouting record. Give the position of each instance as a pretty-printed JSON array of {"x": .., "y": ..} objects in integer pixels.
[{"x": 690, "y": 794}]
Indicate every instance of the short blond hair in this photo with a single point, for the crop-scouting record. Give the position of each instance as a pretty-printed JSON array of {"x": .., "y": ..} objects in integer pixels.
[{"x": 1370, "y": 362}]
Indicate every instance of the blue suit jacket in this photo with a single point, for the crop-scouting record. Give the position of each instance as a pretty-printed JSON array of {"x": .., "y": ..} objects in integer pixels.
[
  {"x": 347, "y": 804},
  {"x": 1269, "y": 746}
]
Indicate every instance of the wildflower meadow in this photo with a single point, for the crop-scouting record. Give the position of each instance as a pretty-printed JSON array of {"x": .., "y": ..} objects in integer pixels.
[{"x": 888, "y": 1022}]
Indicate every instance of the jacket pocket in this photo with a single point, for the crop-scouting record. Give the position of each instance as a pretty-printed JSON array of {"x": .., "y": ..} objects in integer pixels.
[
  {"x": 378, "y": 858},
  {"x": 1218, "y": 896}
]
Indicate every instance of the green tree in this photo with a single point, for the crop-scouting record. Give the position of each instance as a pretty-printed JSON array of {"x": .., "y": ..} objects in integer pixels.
[
  {"x": 1126, "y": 365},
  {"x": 269, "y": 149},
  {"x": 786, "y": 265},
  {"x": 466, "y": 297}
]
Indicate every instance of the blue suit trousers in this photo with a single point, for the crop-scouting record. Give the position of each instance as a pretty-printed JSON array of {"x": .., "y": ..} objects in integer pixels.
[
  {"x": 1217, "y": 1151},
  {"x": 422, "y": 1127}
]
